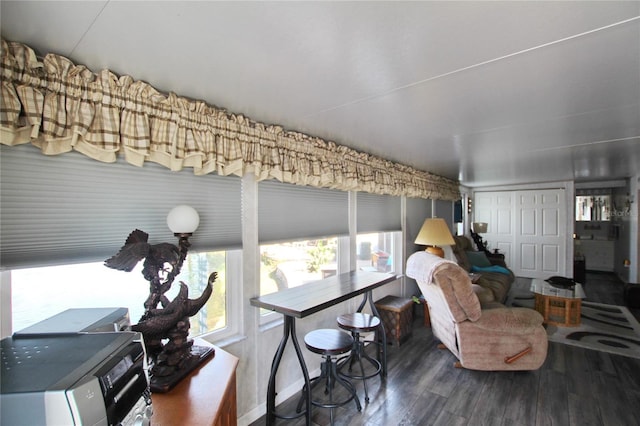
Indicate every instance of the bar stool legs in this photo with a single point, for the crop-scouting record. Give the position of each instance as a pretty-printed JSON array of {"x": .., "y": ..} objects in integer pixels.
[
  {"x": 329, "y": 343},
  {"x": 358, "y": 323}
]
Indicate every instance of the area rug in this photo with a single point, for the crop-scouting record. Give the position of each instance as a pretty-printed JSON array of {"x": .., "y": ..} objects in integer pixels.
[{"x": 606, "y": 328}]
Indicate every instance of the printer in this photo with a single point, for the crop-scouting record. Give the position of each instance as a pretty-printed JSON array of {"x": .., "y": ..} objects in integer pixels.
[
  {"x": 52, "y": 377},
  {"x": 80, "y": 320}
]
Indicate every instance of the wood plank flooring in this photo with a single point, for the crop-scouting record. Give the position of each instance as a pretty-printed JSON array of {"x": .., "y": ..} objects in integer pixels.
[{"x": 574, "y": 387}]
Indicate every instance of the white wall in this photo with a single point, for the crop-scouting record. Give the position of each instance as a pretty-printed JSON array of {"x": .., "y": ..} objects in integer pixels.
[{"x": 5, "y": 300}]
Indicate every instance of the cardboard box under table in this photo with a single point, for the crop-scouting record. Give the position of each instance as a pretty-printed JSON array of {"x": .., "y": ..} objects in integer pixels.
[{"x": 396, "y": 314}]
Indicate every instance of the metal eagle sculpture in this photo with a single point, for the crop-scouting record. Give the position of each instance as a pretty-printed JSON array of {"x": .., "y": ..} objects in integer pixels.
[{"x": 164, "y": 319}]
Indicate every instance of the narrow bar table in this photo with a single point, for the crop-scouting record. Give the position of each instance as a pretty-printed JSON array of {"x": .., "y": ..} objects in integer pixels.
[{"x": 307, "y": 299}]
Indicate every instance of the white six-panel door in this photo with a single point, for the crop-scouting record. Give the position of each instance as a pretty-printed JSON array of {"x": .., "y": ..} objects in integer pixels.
[{"x": 528, "y": 227}]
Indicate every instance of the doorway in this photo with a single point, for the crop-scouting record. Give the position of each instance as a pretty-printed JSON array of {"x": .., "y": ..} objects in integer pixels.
[{"x": 528, "y": 227}]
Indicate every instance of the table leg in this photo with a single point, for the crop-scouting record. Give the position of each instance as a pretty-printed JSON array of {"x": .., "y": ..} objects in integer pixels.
[
  {"x": 381, "y": 335},
  {"x": 288, "y": 330},
  {"x": 546, "y": 309}
]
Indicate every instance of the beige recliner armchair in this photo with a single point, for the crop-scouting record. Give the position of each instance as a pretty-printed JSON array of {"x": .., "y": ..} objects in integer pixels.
[{"x": 500, "y": 338}]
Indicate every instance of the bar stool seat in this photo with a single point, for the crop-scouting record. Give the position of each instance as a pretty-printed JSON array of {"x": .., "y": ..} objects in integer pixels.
[
  {"x": 329, "y": 343},
  {"x": 357, "y": 323}
]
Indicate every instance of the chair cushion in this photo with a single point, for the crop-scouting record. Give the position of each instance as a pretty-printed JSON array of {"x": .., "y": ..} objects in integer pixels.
[
  {"x": 491, "y": 268},
  {"x": 478, "y": 259},
  {"x": 498, "y": 283}
]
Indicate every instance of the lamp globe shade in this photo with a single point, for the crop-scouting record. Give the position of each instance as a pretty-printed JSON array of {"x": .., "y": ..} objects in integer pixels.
[{"x": 183, "y": 220}]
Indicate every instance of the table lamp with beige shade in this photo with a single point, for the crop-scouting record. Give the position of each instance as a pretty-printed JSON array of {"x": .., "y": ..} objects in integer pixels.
[{"x": 435, "y": 233}]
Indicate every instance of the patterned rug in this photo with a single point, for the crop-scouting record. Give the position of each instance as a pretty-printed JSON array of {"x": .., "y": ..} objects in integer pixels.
[{"x": 606, "y": 328}]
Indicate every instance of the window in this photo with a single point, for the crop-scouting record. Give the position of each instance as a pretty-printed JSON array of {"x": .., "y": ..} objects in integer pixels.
[
  {"x": 39, "y": 293},
  {"x": 375, "y": 251},
  {"x": 195, "y": 273},
  {"x": 291, "y": 264}
]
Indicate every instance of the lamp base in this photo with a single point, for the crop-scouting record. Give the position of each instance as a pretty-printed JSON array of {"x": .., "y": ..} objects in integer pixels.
[{"x": 435, "y": 250}]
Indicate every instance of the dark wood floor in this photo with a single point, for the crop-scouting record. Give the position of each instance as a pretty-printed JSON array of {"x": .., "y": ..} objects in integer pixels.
[{"x": 575, "y": 386}]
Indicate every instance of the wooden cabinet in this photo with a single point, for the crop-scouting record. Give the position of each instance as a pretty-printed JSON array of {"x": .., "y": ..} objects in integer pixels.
[{"x": 207, "y": 396}]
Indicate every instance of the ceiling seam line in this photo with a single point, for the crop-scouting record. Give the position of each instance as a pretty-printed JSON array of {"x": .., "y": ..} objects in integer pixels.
[
  {"x": 73, "y": 49},
  {"x": 579, "y": 145},
  {"x": 459, "y": 70}
]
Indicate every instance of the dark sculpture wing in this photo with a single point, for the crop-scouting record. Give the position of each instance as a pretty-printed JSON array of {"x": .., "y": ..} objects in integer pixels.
[
  {"x": 194, "y": 305},
  {"x": 137, "y": 236},
  {"x": 135, "y": 249}
]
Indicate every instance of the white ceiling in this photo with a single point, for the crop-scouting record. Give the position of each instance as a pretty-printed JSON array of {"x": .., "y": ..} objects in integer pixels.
[{"x": 489, "y": 93}]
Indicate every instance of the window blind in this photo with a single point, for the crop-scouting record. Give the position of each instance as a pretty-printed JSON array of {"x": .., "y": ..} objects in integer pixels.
[
  {"x": 71, "y": 209},
  {"x": 378, "y": 213},
  {"x": 444, "y": 209},
  {"x": 417, "y": 210},
  {"x": 291, "y": 212}
]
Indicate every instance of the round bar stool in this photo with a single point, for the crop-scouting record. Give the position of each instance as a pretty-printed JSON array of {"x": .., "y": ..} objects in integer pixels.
[
  {"x": 357, "y": 323},
  {"x": 329, "y": 343}
]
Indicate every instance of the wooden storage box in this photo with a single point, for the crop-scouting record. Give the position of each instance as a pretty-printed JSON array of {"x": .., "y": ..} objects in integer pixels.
[{"x": 396, "y": 314}]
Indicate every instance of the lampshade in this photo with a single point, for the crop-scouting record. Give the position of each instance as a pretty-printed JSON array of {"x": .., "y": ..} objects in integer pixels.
[
  {"x": 435, "y": 232},
  {"x": 480, "y": 227},
  {"x": 183, "y": 220}
]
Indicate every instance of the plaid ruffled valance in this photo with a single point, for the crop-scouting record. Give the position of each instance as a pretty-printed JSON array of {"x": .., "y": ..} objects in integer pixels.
[{"x": 59, "y": 106}]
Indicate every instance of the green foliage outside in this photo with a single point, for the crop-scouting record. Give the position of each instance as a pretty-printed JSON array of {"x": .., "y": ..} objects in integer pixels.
[{"x": 320, "y": 254}]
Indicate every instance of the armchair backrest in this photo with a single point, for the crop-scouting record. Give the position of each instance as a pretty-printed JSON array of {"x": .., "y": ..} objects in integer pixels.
[
  {"x": 444, "y": 281},
  {"x": 458, "y": 292}
]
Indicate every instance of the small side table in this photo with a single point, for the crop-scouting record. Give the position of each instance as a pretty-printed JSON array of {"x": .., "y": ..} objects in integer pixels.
[
  {"x": 396, "y": 314},
  {"x": 558, "y": 306},
  {"x": 561, "y": 311}
]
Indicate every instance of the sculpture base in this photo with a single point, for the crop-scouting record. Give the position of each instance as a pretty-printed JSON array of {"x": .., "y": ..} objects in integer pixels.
[{"x": 165, "y": 383}]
